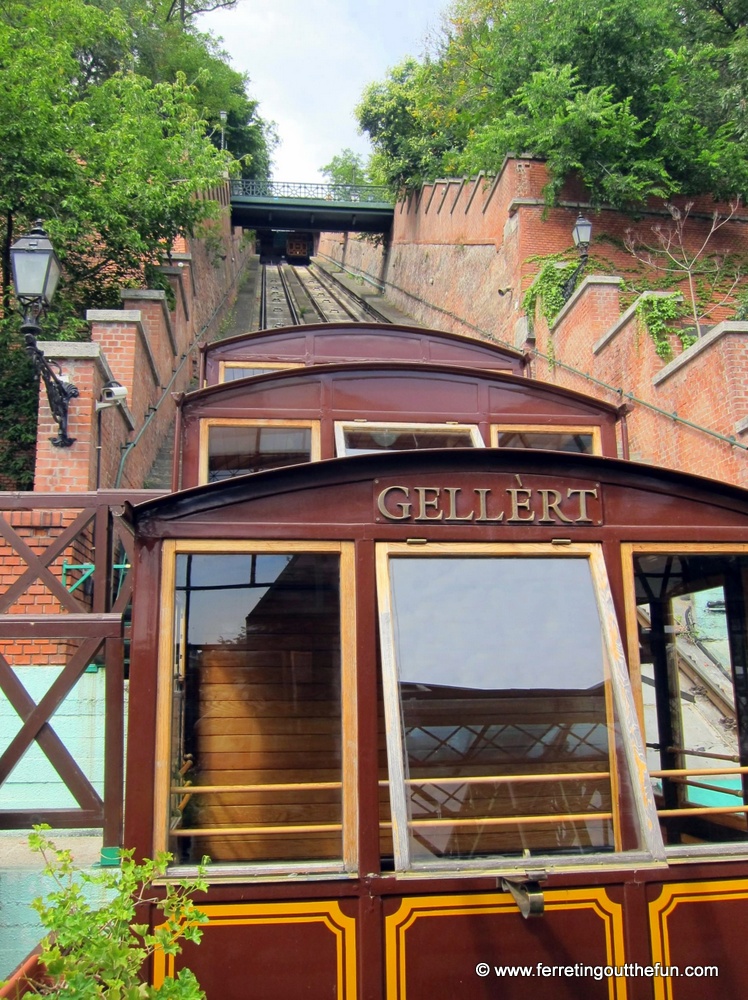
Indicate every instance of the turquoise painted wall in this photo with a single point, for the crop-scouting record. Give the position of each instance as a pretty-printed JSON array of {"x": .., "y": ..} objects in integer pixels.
[{"x": 79, "y": 722}]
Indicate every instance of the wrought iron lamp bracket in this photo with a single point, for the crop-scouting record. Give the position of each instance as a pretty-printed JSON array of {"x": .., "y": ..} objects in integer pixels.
[
  {"x": 571, "y": 282},
  {"x": 59, "y": 392}
]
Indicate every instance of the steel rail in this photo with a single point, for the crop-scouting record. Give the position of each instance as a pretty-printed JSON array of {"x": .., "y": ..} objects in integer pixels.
[
  {"x": 332, "y": 285},
  {"x": 295, "y": 314},
  {"x": 307, "y": 284}
]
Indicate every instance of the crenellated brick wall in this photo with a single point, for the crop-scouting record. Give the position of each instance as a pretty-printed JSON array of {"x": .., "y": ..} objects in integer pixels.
[{"x": 462, "y": 255}]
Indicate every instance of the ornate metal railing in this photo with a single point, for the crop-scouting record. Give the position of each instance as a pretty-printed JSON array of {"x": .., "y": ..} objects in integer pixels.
[{"x": 359, "y": 193}]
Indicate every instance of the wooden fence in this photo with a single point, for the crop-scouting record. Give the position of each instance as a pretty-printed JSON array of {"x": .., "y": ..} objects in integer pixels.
[{"x": 65, "y": 589}]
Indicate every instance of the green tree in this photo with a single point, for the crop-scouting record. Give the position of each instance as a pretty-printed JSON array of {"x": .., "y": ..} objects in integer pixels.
[
  {"x": 404, "y": 126},
  {"x": 346, "y": 167},
  {"x": 576, "y": 130},
  {"x": 186, "y": 9},
  {"x": 111, "y": 160},
  {"x": 639, "y": 97},
  {"x": 166, "y": 50},
  {"x": 112, "y": 165}
]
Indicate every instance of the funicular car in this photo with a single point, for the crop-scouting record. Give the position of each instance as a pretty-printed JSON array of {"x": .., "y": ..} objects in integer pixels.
[{"x": 440, "y": 684}]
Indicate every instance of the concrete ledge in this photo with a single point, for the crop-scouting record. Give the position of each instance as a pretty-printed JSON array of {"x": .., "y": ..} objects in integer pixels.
[
  {"x": 517, "y": 203},
  {"x": 84, "y": 350},
  {"x": 741, "y": 426},
  {"x": 431, "y": 196},
  {"x": 113, "y": 315},
  {"x": 446, "y": 192},
  {"x": 147, "y": 294},
  {"x": 153, "y": 295},
  {"x": 592, "y": 281},
  {"x": 701, "y": 345},
  {"x": 457, "y": 196},
  {"x": 74, "y": 350},
  {"x": 625, "y": 319}
]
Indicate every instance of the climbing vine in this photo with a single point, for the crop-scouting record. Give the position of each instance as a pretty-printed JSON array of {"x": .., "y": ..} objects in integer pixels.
[
  {"x": 656, "y": 313},
  {"x": 546, "y": 291}
]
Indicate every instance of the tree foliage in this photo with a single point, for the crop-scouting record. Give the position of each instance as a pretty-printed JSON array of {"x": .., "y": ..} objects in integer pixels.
[
  {"x": 639, "y": 97},
  {"x": 108, "y": 131},
  {"x": 186, "y": 9},
  {"x": 167, "y": 49},
  {"x": 109, "y": 113},
  {"x": 346, "y": 167}
]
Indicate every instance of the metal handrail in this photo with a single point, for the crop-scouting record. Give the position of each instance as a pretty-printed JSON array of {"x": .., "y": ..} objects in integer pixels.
[{"x": 360, "y": 193}]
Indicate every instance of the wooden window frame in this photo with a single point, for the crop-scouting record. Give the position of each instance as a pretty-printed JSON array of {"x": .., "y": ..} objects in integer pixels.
[
  {"x": 206, "y": 423},
  {"x": 680, "y": 852},
  {"x": 264, "y": 365},
  {"x": 348, "y": 700},
  {"x": 341, "y": 426},
  {"x": 651, "y": 853},
  {"x": 593, "y": 429}
]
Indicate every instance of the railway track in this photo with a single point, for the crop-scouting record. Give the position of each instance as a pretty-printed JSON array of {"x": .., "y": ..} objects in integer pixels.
[{"x": 294, "y": 294}]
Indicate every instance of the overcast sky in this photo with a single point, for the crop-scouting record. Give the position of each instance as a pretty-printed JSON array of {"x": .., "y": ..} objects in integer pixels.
[{"x": 309, "y": 61}]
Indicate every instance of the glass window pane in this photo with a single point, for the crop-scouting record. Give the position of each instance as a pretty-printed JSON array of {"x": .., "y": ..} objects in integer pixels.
[
  {"x": 365, "y": 440},
  {"x": 506, "y": 735},
  {"x": 691, "y": 617},
  {"x": 257, "y": 709},
  {"x": 238, "y": 450},
  {"x": 581, "y": 443},
  {"x": 233, "y": 372}
]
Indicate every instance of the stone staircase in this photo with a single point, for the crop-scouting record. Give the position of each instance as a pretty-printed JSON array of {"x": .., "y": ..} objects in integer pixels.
[{"x": 159, "y": 477}]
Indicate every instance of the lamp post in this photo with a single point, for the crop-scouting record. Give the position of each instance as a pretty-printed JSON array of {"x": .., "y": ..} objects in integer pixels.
[
  {"x": 581, "y": 234},
  {"x": 36, "y": 271},
  {"x": 223, "y": 115}
]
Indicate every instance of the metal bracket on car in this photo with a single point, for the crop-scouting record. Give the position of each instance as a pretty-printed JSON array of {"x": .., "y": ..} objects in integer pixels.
[{"x": 526, "y": 892}]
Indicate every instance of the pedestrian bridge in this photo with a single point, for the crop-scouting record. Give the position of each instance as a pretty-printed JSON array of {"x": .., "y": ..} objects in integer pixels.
[{"x": 363, "y": 208}]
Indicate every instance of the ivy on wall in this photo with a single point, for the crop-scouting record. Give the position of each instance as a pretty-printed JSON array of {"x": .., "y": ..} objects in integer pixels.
[
  {"x": 656, "y": 313},
  {"x": 546, "y": 291}
]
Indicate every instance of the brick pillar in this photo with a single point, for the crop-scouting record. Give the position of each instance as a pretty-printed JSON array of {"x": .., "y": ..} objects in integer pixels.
[
  {"x": 74, "y": 468},
  {"x": 116, "y": 332}
]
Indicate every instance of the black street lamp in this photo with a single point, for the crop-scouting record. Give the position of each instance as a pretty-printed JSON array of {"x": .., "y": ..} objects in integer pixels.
[
  {"x": 582, "y": 235},
  {"x": 36, "y": 271}
]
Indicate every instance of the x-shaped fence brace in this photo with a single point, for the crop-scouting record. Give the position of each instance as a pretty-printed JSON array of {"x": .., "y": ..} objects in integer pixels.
[{"x": 93, "y": 629}]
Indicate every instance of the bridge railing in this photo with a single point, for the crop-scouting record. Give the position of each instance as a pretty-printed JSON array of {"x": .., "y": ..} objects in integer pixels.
[{"x": 362, "y": 193}]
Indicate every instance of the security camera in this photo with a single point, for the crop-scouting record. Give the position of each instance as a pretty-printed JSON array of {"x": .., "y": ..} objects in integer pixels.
[{"x": 114, "y": 393}]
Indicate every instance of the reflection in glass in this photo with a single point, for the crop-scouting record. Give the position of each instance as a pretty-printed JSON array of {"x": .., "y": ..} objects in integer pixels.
[
  {"x": 366, "y": 440},
  {"x": 502, "y": 694},
  {"x": 238, "y": 450},
  {"x": 579, "y": 443},
  {"x": 257, "y": 708},
  {"x": 233, "y": 372},
  {"x": 691, "y": 616}
]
